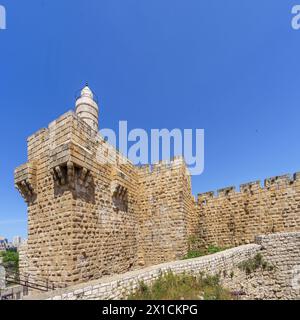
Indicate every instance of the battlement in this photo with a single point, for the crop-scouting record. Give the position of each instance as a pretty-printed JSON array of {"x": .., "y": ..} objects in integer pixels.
[
  {"x": 296, "y": 176},
  {"x": 283, "y": 180},
  {"x": 162, "y": 165},
  {"x": 250, "y": 187},
  {"x": 226, "y": 191},
  {"x": 144, "y": 169},
  {"x": 203, "y": 197}
]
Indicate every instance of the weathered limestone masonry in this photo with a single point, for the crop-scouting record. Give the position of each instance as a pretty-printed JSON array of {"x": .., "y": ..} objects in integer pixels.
[
  {"x": 281, "y": 251},
  {"x": 166, "y": 205},
  {"x": 233, "y": 218},
  {"x": 23, "y": 261},
  {"x": 120, "y": 286},
  {"x": 91, "y": 212}
]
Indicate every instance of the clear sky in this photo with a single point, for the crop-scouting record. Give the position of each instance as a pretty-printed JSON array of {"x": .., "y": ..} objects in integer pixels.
[{"x": 230, "y": 67}]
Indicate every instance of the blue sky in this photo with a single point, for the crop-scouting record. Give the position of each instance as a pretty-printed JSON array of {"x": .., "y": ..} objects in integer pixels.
[{"x": 230, "y": 67}]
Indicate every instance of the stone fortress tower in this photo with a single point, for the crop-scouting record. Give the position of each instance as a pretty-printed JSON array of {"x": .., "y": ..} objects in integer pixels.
[{"x": 91, "y": 212}]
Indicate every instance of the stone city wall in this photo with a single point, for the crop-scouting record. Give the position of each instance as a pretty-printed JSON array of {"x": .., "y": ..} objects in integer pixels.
[
  {"x": 232, "y": 218},
  {"x": 164, "y": 190}
]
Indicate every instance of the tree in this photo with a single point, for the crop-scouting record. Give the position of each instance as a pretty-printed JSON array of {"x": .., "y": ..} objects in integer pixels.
[{"x": 10, "y": 260}]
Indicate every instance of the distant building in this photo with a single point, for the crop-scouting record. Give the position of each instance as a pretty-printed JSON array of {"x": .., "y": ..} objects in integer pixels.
[
  {"x": 17, "y": 240},
  {"x": 3, "y": 243}
]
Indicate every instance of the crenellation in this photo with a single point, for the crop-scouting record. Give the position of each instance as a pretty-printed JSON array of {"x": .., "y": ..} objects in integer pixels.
[
  {"x": 202, "y": 198},
  {"x": 250, "y": 187},
  {"x": 225, "y": 192},
  {"x": 157, "y": 167},
  {"x": 277, "y": 181},
  {"x": 296, "y": 176}
]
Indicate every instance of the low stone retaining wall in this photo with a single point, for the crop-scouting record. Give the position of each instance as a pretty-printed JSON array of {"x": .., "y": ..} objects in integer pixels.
[
  {"x": 281, "y": 251},
  {"x": 120, "y": 286}
]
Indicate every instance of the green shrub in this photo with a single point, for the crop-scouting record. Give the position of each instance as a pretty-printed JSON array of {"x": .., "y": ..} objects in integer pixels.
[
  {"x": 185, "y": 287},
  {"x": 193, "y": 254},
  {"x": 211, "y": 249},
  {"x": 255, "y": 263}
]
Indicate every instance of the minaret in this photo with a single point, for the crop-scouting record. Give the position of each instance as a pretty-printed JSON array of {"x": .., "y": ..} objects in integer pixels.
[{"x": 87, "y": 108}]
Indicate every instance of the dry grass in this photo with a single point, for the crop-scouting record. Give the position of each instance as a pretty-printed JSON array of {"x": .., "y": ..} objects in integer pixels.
[{"x": 182, "y": 287}]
